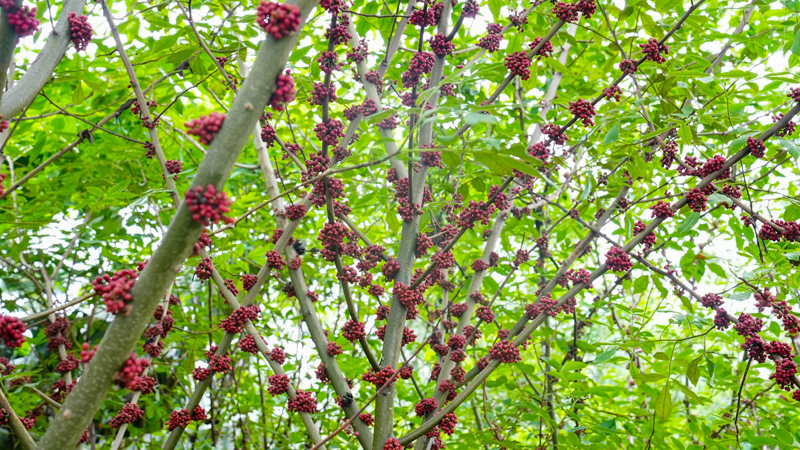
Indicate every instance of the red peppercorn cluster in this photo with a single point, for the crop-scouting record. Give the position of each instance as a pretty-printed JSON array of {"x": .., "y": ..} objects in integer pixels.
[
  {"x": 284, "y": 91},
  {"x": 470, "y": 9},
  {"x": 568, "y": 12},
  {"x": 329, "y": 132},
  {"x": 491, "y": 42},
  {"x": 545, "y": 52},
  {"x": 268, "y": 135},
  {"x": 443, "y": 260},
  {"x": 389, "y": 123},
  {"x": 584, "y": 111},
  {"x": 456, "y": 342},
  {"x": 200, "y": 373},
  {"x": 329, "y": 62},
  {"x": 360, "y": 53},
  {"x": 207, "y": 205},
  {"x": 441, "y": 46},
  {"x": 628, "y": 66},
  {"x": 617, "y": 260},
  {"x": 116, "y": 289},
  {"x": 551, "y": 130},
  {"x": 784, "y": 370},
  {"x": 339, "y": 34},
  {"x": 278, "y": 384},
  {"x": 234, "y": 323},
  {"x": 587, "y": 8},
  {"x": 21, "y": 18},
  {"x": 539, "y": 151},
  {"x": 756, "y": 147},
  {"x": 408, "y": 297},
  {"x": 794, "y": 94},
  {"x": 662, "y": 209},
  {"x": 379, "y": 378},
  {"x": 203, "y": 269},
  {"x": 278, "y": 19},
  {"x": 248, "y": 281},
  {"x": 476, "y": 212},
  {"x": 130, "y": 413},
  {"x": 220, "y": 363},
  {"x": 322, "y": 93},
  {"x": 788, "y": 130},
  {"x": 180, "y": 418},
  {"x": 649, "y": 240},
  {"x": 668, "y": 153},
  {"x": 518, "y": 64},
  {"x": 304, "y": 402},
  {"x": 612, "y": 92},
  {"x": 479, "y": 265},
  {"x": 198, "y": 414},
  {"x": 748, "y": 326},
  {"x": 153, "y": 347},
  {"x": 80, "y": 31},
  {"x": 485, "y": 313},
  {"x": 131, "y": 371},
  {"x": 696, "y": 201},
  {"x": 67, "y": 364},
  {"x": 506, "y": 352},
  {"x": 390, "y": 268},
  {"x": 653, "y": 50},
  {"x": 206, "y": 127},
  {"x": 711, "y": 301},
  {"x": 174, "y": 167},
  {"x": 392, "y": 444},
  {"x": 353, "y": 331},
  {"x": 721, "y": 320},
  {"x": 456, "y": 310},
  {"x": 427, "y": 405}
]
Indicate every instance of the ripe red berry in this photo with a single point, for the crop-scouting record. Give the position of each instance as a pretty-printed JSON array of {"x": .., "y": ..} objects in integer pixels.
[
  {"x": 278, "y": 19},
  {"x": 80, "y": 31},
  {"x": 617, "y": 260},
  {"x": 180, "y": 418},
  {"x": 206, "y": 127},
  {"x": 506, "y": 352},
  {"x": 130, "y": 413},
  {"x": 518, "y": 64}
]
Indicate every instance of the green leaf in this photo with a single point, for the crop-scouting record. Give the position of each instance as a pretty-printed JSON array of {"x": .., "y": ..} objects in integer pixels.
[
  {"x": 689, "y": 223},
  {"x": 711, "y": 367},
  {"x": 78, "y": 95},
  {"x": 796, "y": 43},
  {"x": 606, "y": 355},
  {"x": 612, "y": 135},
  {"x": 664, "y": 403},
  {"x": 693, "y": 371},
  {"x": 96, "y": 191},
  {"x": 685, "y": 133},
  {"x": 736, "y": 74},
  {"x": 648, "y": 378},
  {"x": 667, "y": 5},
  {"x": 689, "y": 393},
  {"x": 716, "y": 197},
  {"x": 474, "y": 118},
  {"x": 791, "y": 147}
]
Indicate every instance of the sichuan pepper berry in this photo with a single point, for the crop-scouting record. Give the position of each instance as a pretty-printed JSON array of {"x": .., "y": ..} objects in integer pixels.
[{"x": 278, "y": 19}]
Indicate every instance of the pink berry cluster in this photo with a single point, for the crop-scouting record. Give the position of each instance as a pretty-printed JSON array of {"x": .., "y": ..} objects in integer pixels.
[
  {"x": 353, "y": 331},
  {"x": 206, "y": 127},
  {"x": 234, "y": 323},
  {"x": 278, "y": 19},
  {"x": 653, "y": 50},
  {"x": 628, "y": 66},
  {"x": 441, "y": 46},
  {"x": 179, "y": 419},
  {"x": 545, "y": 52},
  {"x": 204, "y": 270},
  {"x": 131, "y": 372},
  {"x": 426, "y": 406},
  {"x": 506, "y": 352},
  {"x": 21, "y": 18},
  {"x": 491, "y": 42},
  {"x": 79, "y": 31},
  {"x": 207, "y": 205},
  {"x": 756, "y": 147},
  {"x": 305, "y": 401},
  {"x": 618, "y": 261},
  {"x": 518, "y": 64},
  {"x": 284, "y": 92},
  {"x": 116, "y": 289},
  {"x": 584, "y": 111},
  {"x": 421, "y": 63},
  {"x": 11, "y": 331},
  {"x": 130, "y": 413}
]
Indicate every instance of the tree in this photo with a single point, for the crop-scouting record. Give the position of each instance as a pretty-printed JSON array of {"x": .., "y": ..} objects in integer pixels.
[{"x": 399, "y": 224}]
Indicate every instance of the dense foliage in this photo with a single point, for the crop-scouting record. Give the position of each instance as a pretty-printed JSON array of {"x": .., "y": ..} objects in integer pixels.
[{"x": 363, "y": 224}]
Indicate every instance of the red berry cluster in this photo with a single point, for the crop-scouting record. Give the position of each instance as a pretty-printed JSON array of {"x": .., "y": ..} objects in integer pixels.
[
  {"x": 204, "y": 269},
  {"x": 441, "y": 46},
  {"x": 551, "y": 130},
  {"x": 505, "y": 351},
  {"x": 248, "y": 281},
  {"x": 583, "y": 110},
  {"x": 278, "y": 384},
  {"x": 518, "y": 64},
  {"x": 207, "y": 205},
  {"x": 568, "y": 12},
  {"x": 721, "y": 319},
  {"x": 220, "y": 363},
  {"x": 21, "y": 18},
  {"x": 234, "y": 323},
  {"x": 116, "y": 289},
  {"x": 284, "y": 91},
  {"x": 379, "y": 378},
  {"x": 322, "y": 93},
  {"x": 470, "y": 9},
  {"x": 756, "y": 147},
  {"x": 198, "y": 414},
  {"x": 200, "y": 373},
  {"x": 518, "y": 19},
  {"x": 794, "y": 94},
  {"x": 329, "y": 132},
  {"x": 360, "y": 53},
  {"x": 485, "y": 313},
  {"x": 545, "y": 52},
  {"x": 268, "y": 135},
  {"x": 329, "y": 62},
  {"x": 653, "y": 50},
  {"x": 79, "y": 31},
  {"x": 278, "y": 19},
  {"x": 174, "y": 166},
  {"x": 421, "y": 63},
  {"x": 612, "y": 92},
  {"x": 788, "y": 130},
  {"x": 130, "y": 413},
  {"x": 304, "y": 402},
  {"x": 180, "y": 418},
  {"x": 427, "y": 405},
  {"x": 617, "y": 260},
  {"x": 67, "y": 364},
  {"x": 491, "y": 42},
  {"x": 696, "y": 200},
  {"x": 649, "y": 240},
  {"x": 353, "y": 331},
  {"x": 11, "y": 331},
  {"x": 628, "y": 66},
  {"x": 662, "y": 209},
  {"x": 339, "y": 34},
  {"x": 206, "y": 127},
  {"x": 392, "y": 444},
  {"x": 132, "y": 369}
]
